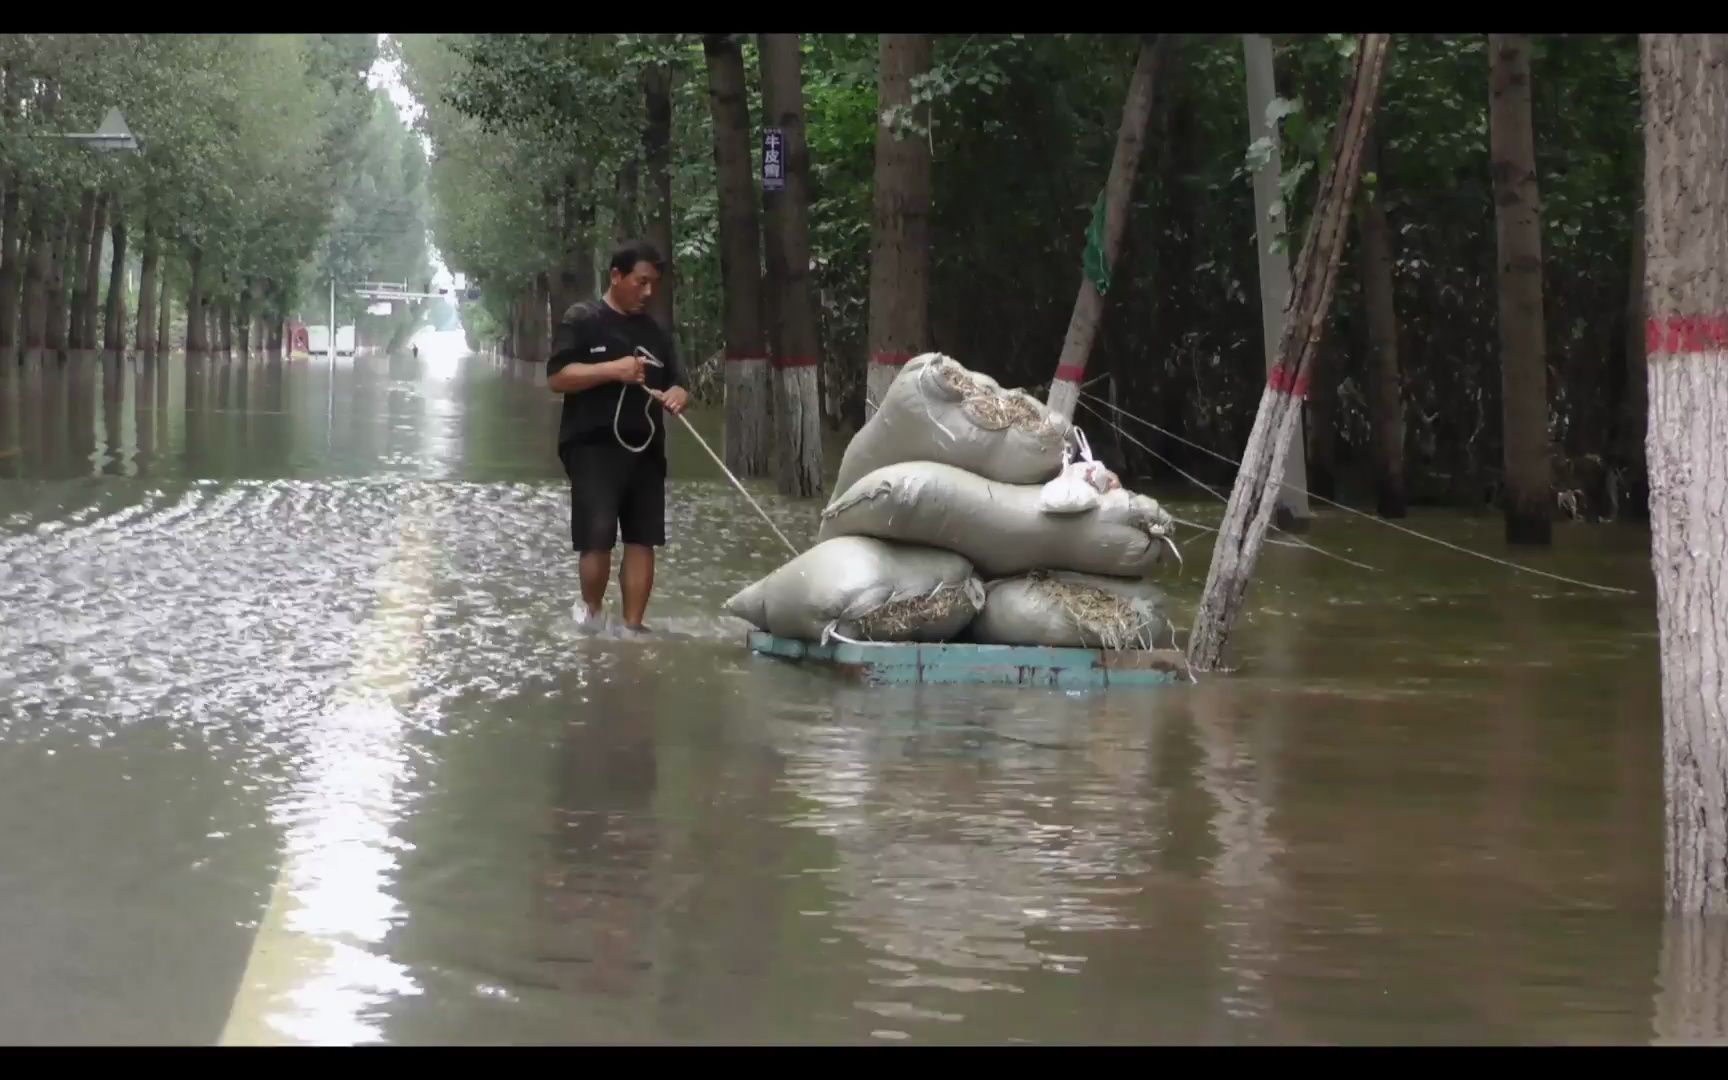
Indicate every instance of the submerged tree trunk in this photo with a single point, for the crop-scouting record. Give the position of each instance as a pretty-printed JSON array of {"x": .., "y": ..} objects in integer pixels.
[
  {"x": 58, "y": 256},
  {"x": 900, "y": 248},
  {"x": 78, "y": 254},
  {"x": 1630, "y": 476},
  {"x": 243, "y": 320},
  {"x": 1385, "y": 383},
  {"x": 114, "y": 313},
  {"x": 86, "y": 314},
  {"x": 196, "y": 337},
  {"x": 225, "y": 318},
  {"x": 1293, "y": 511},
  {"x": 749, "y": 428},
  {"x": 164, "y": 309},
  {"x": 798, "y": 407},
  {"x": 148, "y": 287},
  {"x": 657, "y": 156},
  {"x": 1118, "y": 193},
  {"x": 1254, "y": 495},
  {"x": 10, "y": 207},
  {"x": 1529, "y": 485},
  {"x": 33, "y": 304},
  {"x": 1685, "y": 83}
]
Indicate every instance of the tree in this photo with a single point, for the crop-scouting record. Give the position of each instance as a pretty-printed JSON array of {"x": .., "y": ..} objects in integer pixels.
[
  {"x": 1529, "y": 493},
  {"x": 749, "y": 426},
  {"x": 900, "y": 245},
  {"x": 657, "y": 156},
  {"x": 1385, "y": 385},
  {"x": 797, "y": 404},
  {"x": 1685, "y": 85},
  {"x": 114, "y": 311},
  {"x": 1110, "y": 220},
  {"x": 1292, "y": 510},
  {"x": 1253, "y": 497}
]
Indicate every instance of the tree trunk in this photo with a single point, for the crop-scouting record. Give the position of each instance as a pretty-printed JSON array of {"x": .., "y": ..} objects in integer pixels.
[
  {"x": 1118, "y": 192},
  {"x": 1254, "y": 495},
  {"x": 1518, "y": 234},
  {"x": 1293, "y": 511},
  {"x": 1632, "y": 486},
  {"x": 1320, "y": 425},
  {"x": 10, "y": 206},
  {"x": 749, "y": 426},
  {"x": 10, "y": 300},
  {"x": 164, "y": 309},
  {"x": 243, "y": 320},
  {"x": 1685, "y": 83},
  {"x": 225, "y": 316},
  {"x": 573, "y": 245},
  {"x": 147, "y": 287},
  {"x": 114, "y": 313},
  {"x": 75, "y": 271},
  {"x": 1385, "y": 384},
  {"x": 86, "y": 314},
  {"x": 34, "y": 303},
  {"x": 657, "y": 156},
  {"x": 798, "y": 406},
  {"x": 624, "y": 221},
  {"x": 58, "y": 256},
  {"x": 197, "y": 340},
  {"x": 900, "y": 248}
]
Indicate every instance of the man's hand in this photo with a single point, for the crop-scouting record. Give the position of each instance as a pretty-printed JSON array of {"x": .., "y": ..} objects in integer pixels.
[
  {"x": 629, "y": 369},
  {"x": 674, "y": 400}
]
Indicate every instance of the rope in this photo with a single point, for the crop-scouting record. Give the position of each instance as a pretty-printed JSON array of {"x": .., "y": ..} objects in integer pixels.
[
  {"x": 1369, "y": 517},
  {"x": 1291, "y": 542}
]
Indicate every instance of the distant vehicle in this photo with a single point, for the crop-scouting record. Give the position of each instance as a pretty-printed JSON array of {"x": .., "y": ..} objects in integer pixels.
[
  {"x": 345, "y": 341},
  {"x": 318, "y": 340}
]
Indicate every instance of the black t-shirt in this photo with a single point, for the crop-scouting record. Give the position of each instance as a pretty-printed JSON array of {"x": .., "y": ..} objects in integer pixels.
[{"x": 592, "y": 332}]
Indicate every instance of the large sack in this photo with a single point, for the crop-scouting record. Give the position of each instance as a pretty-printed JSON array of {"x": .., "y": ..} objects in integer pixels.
[
  {"x": 867, "y": 590},
  {"x": 936, "y": 410},
  {"x": 999, "y": 527},
  {"x": 1073, "y": 610}
]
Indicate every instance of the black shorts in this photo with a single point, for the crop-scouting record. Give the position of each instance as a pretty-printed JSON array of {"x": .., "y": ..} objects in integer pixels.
[{"x": 613, "y": 490}]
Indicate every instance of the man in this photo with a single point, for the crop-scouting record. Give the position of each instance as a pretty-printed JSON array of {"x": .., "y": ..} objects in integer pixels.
[{"x": 612, "y": 436}]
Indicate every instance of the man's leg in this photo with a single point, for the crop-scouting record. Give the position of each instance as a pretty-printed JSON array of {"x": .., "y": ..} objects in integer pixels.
[
  {"x": 595, "y": 568},
  {"x": 642, "y": 518},
  {"x": 595, "y": 493},
  {"x": 637, "y": 581}
]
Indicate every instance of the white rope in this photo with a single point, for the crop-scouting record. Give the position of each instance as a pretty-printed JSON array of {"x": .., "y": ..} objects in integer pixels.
[
  {"x": 1292, "y": 542},
  {"x": 1369, "y": 517}
]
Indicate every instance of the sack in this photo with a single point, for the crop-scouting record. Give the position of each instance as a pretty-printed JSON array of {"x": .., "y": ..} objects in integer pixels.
[
  {"x": 936, "y": 410},
  {"x": 1081, "y": 482},
  {"x": 864, "y": 589},
  {"x": 999, "y": 527},
  {"x": 1064, "y": 609}
]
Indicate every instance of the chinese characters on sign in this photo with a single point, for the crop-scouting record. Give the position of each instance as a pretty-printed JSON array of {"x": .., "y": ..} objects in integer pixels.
[{"x": 773, "y": 160}]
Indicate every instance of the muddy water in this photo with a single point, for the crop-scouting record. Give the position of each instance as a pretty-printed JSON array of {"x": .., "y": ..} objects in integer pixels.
[{"x": 297, "y": 745}]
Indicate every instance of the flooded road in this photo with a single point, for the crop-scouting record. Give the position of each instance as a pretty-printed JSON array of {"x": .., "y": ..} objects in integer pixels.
[{"x": 298, "y": 744}]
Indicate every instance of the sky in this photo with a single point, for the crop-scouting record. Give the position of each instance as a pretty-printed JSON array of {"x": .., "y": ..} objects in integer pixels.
[{"x": 387, "y": 73}]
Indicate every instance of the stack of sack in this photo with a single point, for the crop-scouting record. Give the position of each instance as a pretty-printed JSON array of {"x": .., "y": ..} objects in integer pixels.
[{"x": 969, "y": 512}]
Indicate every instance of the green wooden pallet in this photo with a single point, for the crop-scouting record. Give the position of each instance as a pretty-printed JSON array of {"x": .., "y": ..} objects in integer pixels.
[{"x": 959, "y": 663}]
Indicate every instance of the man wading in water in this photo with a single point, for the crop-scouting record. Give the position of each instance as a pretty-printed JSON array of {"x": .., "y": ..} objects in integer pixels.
[{"x": 612, "y": 436}]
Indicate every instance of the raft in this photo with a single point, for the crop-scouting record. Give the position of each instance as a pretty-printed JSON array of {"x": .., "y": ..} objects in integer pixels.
[{"x": 961, "y": 663}]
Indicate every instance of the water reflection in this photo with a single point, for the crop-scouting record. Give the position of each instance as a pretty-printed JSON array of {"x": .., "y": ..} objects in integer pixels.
[{"x": 1691, "y": 1003}]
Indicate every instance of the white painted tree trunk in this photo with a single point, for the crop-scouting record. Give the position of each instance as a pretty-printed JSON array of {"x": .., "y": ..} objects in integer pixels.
[
  {"x": 1274, "y": 266},
  {"x": 1685, "y": 83},
  {"x": 798, "y": 413}
]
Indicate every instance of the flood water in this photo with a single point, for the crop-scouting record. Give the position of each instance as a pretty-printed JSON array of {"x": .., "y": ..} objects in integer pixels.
[{"x": 298, "y": 744}]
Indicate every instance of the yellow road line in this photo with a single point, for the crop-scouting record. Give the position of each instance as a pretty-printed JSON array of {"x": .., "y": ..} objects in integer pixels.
[{"x": 312, "y": 976}]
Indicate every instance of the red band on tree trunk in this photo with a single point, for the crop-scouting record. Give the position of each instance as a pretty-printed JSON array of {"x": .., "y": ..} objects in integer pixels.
[
  {"x": 794, "y": 361},
  {"x": 741, "y": 357},
  {"x": 1070, "y": 373},
  {"x": 1686, "y": 333}
]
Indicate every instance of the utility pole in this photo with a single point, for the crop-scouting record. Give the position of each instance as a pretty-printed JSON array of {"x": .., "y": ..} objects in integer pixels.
[{"x": 330, "y": 342}]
